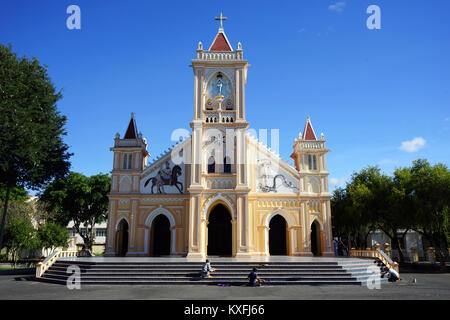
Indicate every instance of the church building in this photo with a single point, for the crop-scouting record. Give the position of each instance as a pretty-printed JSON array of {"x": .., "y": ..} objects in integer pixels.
[{"x": 219, "y": 191}]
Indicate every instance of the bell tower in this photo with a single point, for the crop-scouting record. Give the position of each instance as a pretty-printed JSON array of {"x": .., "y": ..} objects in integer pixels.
[
  {"x": 218, "y": 139},
  {"x": 220, "y": 75},
  {"x": 130, "y": 154},
  {"x": 310, "y": 156}
]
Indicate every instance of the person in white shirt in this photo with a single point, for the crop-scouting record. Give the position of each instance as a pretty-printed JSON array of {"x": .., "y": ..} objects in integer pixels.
[
  {"x": 207, "y": 269},
  {"x": 391, "y": 274}
]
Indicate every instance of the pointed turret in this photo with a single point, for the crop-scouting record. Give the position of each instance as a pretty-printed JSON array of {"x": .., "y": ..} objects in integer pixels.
[
  {"x": 308, "y": 132},
  {"x": 130, "y": 155},
  {"x": 309, "y": 147},
  {"x": 221, "y": 42},
  {"x": 131, "y": 132}
]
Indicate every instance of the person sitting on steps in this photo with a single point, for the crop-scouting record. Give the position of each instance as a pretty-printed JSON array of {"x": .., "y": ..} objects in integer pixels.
[
  {"x": 391, "y": 273},
  {"x": 253, "y": 279},
  {"x": 206, "y": 269}
]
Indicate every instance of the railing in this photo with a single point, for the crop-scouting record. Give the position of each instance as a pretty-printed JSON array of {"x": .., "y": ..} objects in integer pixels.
[
  {"x": 129, "y": 143},
  {"x": 377, "y": 254},
  {"x": 310, "y": 145},
  {"x": 207, "y": 55},
  {"x": 43, "y": 266},
  {"x": 220, "y": 181}
]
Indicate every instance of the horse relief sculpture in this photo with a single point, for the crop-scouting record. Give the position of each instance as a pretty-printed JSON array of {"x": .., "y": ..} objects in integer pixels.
[{"x": 166, "y": 177}]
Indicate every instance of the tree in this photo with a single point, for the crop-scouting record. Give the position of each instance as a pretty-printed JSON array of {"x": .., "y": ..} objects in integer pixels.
[
  {"x": 414, "y": 198},
  {"x": 430, "y": 198},
  {"x": 81, "y": 199},
  {"x": 381, "y": 200},
  {"x": 20, "y": 235},
  {"x": 52, "y": 235},
  {"x": 15, "y": 193},
  {"x": 350, "y": 225},
  {"x": 32, "y": 152}
]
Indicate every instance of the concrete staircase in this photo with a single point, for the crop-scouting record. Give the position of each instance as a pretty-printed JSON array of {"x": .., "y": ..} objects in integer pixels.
[{"x": 351, "y": 272}]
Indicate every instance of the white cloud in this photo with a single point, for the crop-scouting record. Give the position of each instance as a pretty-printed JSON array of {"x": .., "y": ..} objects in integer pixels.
[
  {"x": 414, "y": 145},
  {"x": 338, "y": 182},
  {"x": 337, "y": 7},
  {"x": 386, "y": 161},
  {"x": 302, "y": 30}
]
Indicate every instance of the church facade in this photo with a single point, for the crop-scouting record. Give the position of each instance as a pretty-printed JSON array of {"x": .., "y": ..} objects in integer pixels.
[{"x": 219, "y": 191}]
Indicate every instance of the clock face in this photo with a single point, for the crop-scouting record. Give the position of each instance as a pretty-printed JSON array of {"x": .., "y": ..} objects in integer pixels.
[{"x": 219, "y": 86}]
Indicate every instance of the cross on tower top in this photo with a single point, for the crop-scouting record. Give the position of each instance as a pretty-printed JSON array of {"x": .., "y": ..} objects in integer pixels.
[{"x": 221, "y": 18}]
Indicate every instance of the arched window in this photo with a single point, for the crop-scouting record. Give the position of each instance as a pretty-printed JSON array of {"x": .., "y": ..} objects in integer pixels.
[
  {"x": 127, "y": 158},
  {"x": 211, "y": 165},
  {"x": 312, "y": 162},
  {"x": 226, "y": 165}
]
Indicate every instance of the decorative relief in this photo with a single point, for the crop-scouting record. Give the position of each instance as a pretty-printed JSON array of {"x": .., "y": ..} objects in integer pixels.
[
  {"x": 210, "y": 72},
  {"x": 230, "y": 198},
  {"x": 314, "y": 206},
  {"x": 313, "y": 185},
  {"x": 162, "y": 201},
  {"x": 125, "y": 184},
  {"x": 278, "y": 203},
  {"x": 220, "y": 183},
  {"x": 272, "y": 180},
  {"x": 124, "y": 204},
  {"x": 166, "y": 179}
]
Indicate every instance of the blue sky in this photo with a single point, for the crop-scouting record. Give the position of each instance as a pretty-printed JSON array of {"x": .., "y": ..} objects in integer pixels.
[{"x": 381, "y": 97}]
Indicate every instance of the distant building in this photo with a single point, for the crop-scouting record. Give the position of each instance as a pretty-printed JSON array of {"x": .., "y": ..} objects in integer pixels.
[
  {"x": 408, "y": 240},
  {"x": 77, "y": 241}
]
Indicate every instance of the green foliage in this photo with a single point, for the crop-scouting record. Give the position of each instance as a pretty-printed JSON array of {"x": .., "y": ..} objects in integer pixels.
[
  {"x": 31, "y": 128},
  {"x": 416, "y": 197},
  {"x": 52, "y": 235},
  {"x": 80, "y": 199},
  {"x": 32, "y": 151},
  {"x": 15, "y": 194},
  {"x": 18, "y": 209},
  {"x": 20, "y": 237},
  {"x": 430, "y": 198}
]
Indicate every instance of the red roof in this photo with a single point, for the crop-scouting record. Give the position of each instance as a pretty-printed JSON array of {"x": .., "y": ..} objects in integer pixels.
[
  {"x": 308, "y": 133},
  {"x": 132, "y": 130},
  {"x": 220, "y": 43}
]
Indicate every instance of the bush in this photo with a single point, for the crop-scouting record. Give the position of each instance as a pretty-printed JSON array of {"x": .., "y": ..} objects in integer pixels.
[
  {"x": 20, "y": 237},
  {"x": 52, "y": 235}
]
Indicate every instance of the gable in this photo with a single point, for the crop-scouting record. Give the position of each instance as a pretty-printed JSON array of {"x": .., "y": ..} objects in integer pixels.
[{"x": 272, "y": 174}]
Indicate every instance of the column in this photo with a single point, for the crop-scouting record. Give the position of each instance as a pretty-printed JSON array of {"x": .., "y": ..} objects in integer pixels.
[{"x": 194, "y": 250}]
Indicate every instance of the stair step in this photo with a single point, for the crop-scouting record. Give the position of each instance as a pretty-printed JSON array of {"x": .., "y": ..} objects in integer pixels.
[
  {"x": 188, "y": 272},
  {"x": 212, "y": 282}
]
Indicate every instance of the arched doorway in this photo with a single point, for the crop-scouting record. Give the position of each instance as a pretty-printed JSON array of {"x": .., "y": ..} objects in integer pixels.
[
  {"x": 160, "y": 238},
  {"x": 122, "y": 238},
  {"x": 277, "y": 236},
  {"x": 219, "y": 232},
  {"x": 315, "y": 239}
]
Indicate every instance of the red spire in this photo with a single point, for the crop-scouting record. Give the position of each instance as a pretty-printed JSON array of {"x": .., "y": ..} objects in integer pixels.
[
  {"x": 308, "y": 133},
  {"x": 220, "y": 43},
  {"x": 131, "y": 132}
]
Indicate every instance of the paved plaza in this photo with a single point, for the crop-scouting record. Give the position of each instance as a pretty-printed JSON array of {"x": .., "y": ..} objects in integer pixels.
[{"x": 427, "y": 286}]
